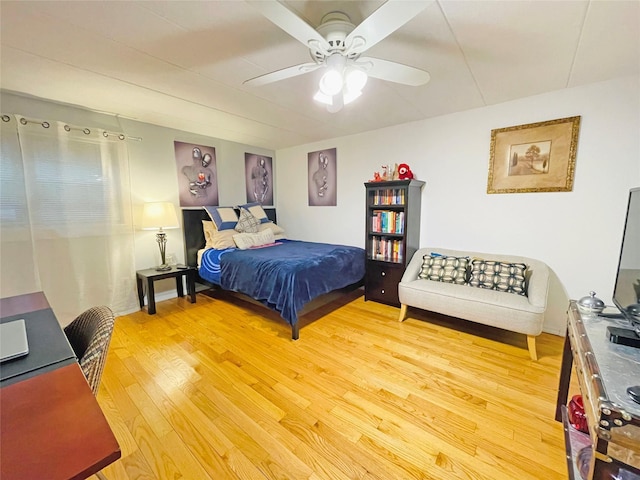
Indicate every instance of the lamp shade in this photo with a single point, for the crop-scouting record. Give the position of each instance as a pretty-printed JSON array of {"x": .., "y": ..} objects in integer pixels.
[{"x": 159, "y": 215}]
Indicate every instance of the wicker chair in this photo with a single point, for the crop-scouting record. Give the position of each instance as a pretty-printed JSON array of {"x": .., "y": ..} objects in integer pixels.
[{"x": 89, "y": 335}]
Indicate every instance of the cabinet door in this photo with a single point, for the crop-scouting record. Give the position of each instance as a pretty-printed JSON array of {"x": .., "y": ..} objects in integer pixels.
[{"x": 381, "y": 282}]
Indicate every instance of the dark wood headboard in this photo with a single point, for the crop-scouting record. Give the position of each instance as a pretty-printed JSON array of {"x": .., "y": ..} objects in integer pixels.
[{"x": 194, "y": 234}]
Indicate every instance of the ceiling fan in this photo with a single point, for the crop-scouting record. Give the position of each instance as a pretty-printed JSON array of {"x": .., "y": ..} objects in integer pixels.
[{"x": 337, "y": 46}]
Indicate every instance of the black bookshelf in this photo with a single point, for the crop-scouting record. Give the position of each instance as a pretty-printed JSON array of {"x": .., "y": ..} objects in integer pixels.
[{"x": 392, "y": 235}]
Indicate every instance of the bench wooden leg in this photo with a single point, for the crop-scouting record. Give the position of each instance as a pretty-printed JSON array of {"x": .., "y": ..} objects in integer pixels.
[
  {"x": 531, "y": 343},
  {"x": 403, "y": 313}
]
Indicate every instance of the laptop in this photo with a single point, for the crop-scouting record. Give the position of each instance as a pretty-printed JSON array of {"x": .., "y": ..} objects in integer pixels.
[{"x": 13, "y": 340}]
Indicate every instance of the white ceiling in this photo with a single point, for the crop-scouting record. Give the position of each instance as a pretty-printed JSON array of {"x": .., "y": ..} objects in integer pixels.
[{"x": 181, "y": 64}]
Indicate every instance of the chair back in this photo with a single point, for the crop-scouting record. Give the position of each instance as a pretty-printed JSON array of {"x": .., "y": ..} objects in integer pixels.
[{"x": 89, "y": 335}]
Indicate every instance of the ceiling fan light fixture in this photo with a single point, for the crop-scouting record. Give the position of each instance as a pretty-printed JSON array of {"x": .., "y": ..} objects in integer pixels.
[
  {"x": 322, "y": 98},
  {"x": 336, "y": 46},
  {"x": 355, "y": 80},
  {"x": 333, "y": 103},
  {"x": 350, "y": 96},
  {"x": 331, "y": 82},
  {"x": 336, "y": 104}
]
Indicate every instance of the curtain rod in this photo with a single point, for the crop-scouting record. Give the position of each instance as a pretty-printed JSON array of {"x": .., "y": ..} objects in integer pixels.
[{"x": 68, "y": 128}]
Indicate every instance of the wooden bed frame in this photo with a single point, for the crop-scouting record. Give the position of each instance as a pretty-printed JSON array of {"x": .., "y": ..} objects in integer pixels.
[{"x": 194, "y": 241}]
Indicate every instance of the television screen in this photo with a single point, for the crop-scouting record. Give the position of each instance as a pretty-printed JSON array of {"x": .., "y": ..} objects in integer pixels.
[{"x": 626, "y": 292}]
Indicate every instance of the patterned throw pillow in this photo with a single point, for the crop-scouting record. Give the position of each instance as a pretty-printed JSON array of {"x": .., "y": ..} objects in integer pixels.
[
  {"x": 442, "y": 268},
  {"x": 501, "y": 276},
  {"x": 256, "y": 210},
  {"x": 247, "y": 223}
]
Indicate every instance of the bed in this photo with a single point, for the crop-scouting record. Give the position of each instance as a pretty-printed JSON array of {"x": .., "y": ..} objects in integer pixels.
[{"x": 283, "y": 276}]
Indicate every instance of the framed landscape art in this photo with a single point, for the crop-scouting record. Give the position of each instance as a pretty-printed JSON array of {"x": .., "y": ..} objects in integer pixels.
[{"x": 537, "y": 157}]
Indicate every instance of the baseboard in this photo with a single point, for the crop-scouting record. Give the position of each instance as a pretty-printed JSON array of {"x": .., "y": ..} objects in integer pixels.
[{"x": 553, "y": 330}]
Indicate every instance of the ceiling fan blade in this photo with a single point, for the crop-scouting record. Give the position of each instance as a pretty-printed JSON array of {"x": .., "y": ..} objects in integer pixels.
[
  {"x": 384, "y": 21},
  {"x": 394, "y": 72},
  {"x": 282, "y": 74},
  {"x": 288, "y": 21}
]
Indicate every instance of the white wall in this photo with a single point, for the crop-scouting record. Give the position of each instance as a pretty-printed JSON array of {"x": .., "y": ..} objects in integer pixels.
[
  {"x": 576, "y": 233},
  {"x": 154, "y": 177}
]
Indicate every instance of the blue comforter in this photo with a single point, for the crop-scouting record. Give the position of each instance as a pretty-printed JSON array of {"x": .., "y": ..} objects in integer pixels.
[{"x": 287, "y": 275}]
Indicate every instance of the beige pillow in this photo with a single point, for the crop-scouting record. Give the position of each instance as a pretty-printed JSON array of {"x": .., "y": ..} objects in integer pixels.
[
  {"x": 209, "y": 229},
  {"x": 223, "y": 239}
]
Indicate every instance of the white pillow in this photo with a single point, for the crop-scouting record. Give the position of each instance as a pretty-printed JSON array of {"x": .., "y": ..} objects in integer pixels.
[
  {"x": 248, "y": 240},
  {"x": 278, "y": 231}
]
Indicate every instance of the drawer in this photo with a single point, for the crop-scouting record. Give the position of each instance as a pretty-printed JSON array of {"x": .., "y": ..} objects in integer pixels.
[{"x": 381, "y": 282}]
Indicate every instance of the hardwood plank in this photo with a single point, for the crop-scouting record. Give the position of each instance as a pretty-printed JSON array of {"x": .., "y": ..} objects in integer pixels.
[
  {"x": 156, "y": 455},
  {"x": 218, "y": 390},
  {"x": 117, "y": 423}
]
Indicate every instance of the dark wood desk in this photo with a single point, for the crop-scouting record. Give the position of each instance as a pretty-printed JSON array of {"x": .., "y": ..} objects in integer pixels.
[
  {"x": 29, "y": 302},
  {"x": 50, "y": 423},
  {"x": 150, "y": 275},
  {"x": 48, "y": 347}
]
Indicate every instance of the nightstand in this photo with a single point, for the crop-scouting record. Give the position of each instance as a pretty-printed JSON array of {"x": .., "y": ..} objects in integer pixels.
[{"x": 150, "y": 275}]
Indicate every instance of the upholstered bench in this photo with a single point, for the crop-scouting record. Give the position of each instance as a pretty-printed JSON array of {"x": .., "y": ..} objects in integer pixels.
[{"x": 470, "y": 289}]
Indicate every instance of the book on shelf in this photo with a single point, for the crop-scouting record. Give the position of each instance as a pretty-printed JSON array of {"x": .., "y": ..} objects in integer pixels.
[
  {"x": 389, "y": 196},
  {"x": 386, "y": 221},
  {"x": 386, "y": 249}
]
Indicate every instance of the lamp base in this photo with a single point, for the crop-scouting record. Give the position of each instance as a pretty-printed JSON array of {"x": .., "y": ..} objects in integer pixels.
[{"x": 163, "y": 268}]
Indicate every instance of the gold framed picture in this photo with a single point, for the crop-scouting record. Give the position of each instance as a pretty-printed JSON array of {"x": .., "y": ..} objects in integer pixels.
[{"x": 538, "y": 157}]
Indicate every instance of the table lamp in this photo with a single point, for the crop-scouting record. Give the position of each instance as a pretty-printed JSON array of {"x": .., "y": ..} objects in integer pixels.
[{"x": 159, "y": 215}]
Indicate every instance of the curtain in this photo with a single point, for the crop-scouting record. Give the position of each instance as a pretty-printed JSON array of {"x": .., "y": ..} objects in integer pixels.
[{"x": 66, "y": 225}]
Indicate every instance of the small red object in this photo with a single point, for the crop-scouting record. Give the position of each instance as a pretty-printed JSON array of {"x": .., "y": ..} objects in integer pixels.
[
  {"x": 376, "y": 177},
  {"x": 404, "y": 172},
  {"x": 577, "y": 416}
]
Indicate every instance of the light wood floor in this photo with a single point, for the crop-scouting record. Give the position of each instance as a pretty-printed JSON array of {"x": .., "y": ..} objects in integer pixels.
[{"x": 218, "y": 390}]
